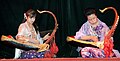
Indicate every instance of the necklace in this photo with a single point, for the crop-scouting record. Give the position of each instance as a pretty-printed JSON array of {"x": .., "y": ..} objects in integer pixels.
[{"x": 32, "y": 31}]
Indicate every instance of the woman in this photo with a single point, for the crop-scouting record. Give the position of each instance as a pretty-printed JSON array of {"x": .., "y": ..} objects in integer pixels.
[
  {"x": 27, "y": 33},
  {"x": 92, "y": 30}
]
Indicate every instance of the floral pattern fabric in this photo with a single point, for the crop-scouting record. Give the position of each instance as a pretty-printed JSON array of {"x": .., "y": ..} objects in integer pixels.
[{"x": 88, "y": 30}]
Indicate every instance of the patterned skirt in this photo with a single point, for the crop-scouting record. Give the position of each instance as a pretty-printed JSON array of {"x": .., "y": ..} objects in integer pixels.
[
  {"x": 90, "y": 52},
  {"x": 31, "y": 54}
]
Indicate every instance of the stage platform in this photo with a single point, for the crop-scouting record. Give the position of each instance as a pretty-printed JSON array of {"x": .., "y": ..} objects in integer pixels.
[{"x": 64, "y": 59}]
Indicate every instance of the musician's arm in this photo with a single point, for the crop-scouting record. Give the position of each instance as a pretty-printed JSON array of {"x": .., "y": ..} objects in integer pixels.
[
  {"x": 21, "y": 36},
  {"x": 46, "y": 36},
  {"x": 81, "y": 34},
  {"x": 24, "y": 39},
  {"x": 94, "y": 38}
]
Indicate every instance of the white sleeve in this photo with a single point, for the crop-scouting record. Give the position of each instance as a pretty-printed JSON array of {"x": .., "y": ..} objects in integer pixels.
[
  {"x": 80, "y": 33},
  {"x": 21, "y": 30},
  {"x": 39, "y": 38}
]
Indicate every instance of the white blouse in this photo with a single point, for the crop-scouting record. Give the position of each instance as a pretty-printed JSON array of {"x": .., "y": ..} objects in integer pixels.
[{"x": 24, "y": 30}]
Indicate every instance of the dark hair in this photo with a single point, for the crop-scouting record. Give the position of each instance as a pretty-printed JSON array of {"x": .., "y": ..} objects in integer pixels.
[
  {"x": 89, "y": 11},
  {"x": 31, "y": 13}
]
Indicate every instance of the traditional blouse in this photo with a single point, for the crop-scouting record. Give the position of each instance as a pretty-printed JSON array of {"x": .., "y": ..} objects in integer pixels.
[
  {"x": 88, "y": 30},
  {"x": 24, "y": 30}
]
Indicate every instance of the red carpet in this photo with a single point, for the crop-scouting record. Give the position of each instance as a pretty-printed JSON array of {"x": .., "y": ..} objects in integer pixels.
[{"x": 65, "y": 59}]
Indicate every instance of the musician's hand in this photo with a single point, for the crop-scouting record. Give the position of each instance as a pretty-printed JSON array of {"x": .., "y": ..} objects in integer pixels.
[
  {"x": 46, "y": 36},
  {"x": 94, "y": 38},
  {"x": 33, "y": 41}
]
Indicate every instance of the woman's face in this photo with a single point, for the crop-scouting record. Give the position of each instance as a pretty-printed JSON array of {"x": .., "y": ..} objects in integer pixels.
[
  {"x": 31, "y": 20},
  {"x": 92, "y": 19}
]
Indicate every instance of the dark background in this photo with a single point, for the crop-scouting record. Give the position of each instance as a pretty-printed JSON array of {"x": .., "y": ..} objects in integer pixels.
[{"x": 69, "y": 14}]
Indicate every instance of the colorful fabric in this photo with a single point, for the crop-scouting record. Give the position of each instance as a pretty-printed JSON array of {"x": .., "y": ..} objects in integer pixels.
[
  {"x": 88, "y": 30},
  {"x": 24, "y": 30},
  {"x": 52, "y": 52},
  {"x": 31, "y": 54},
  {"x": 90, "y": 52}
]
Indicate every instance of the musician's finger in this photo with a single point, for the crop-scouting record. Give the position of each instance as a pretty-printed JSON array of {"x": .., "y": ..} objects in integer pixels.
[
  {"x": 46, "y": 36},
  {"x": 47, "y": 33}
]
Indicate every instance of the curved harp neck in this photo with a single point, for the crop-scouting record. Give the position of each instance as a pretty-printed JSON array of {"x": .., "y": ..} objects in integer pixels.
[{"x": 115, "y": 20}]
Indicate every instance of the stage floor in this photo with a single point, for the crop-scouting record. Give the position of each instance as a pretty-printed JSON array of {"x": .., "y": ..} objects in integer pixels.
[{"x": 64, "y": 59}]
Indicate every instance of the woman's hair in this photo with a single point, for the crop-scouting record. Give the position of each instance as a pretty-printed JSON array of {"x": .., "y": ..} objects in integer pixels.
[
  {"x": 89, "y": 11},
  {"x": 30, "y": 13}
]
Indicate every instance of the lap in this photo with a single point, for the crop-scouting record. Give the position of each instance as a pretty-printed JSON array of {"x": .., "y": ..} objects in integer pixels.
[
  {"x": 91, "y": 52},
  {"x": 31, "y": 54}
]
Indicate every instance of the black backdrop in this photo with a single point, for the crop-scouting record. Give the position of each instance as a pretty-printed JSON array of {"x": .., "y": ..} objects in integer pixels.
[{"x": 69, "y": 14}]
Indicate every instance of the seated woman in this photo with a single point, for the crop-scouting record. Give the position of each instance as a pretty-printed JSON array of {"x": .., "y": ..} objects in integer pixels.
[
  {"x": 28, "y": 33},
  {"x": 94, "y": 30}
]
